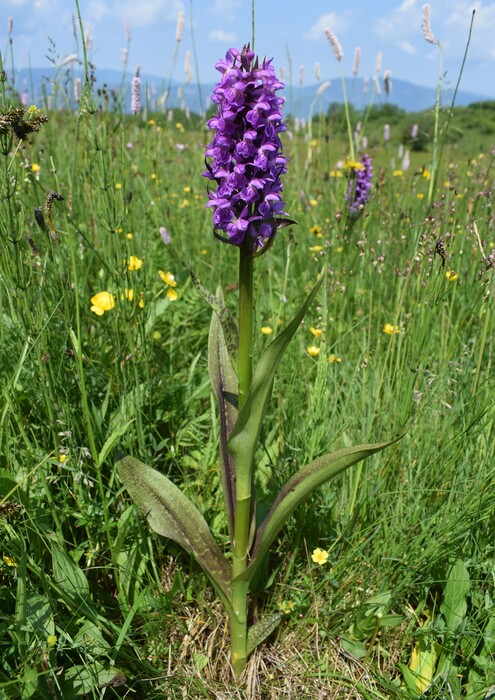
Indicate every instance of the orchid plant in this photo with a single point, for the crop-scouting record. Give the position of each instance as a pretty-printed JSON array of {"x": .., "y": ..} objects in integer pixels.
[{"x": 245, "y": 167}]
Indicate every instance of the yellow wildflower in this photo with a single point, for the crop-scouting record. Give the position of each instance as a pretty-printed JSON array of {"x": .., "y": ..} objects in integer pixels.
[
  {"x": 101, "y": 302},
  {"x": 319, "y": 556},
  {"x": 156, "y": 335},
  {"x": 184, "y": 203},
  {"x": 451, "y": 275},
  {"x": 353, "y": 165},
  {"x": 168, "y": 278},
  {"x": 313, "y": 351},
  {"x": 35, "y": 167},
  {"x": 426, "y": 174},
  {"x": 10, "y": 561},
  {"x": 153, "y": 176},
  {"x": 335, "y": 173},
  {"x": 128, "y": 294},
  {"x": 186, "y": 190},
  {"x": 118, "y": 185},
  {"x": 134, "y": 264},
  {"x": 420, "y": 195},
  {"x": 51, "y": 640},
  {"x": 316, "y": 248},
  {"x": 63, "y": 457},
  {"x": 151, "y": 122},
  {"x": 398, "y": 173},
  {"x": 266, "y": 330},
  {"x": 180, "y": 127},
  {"x": 316, "y": 230},
  {"x": 287, "y": 608},
  {"x": 313, "y": 202},
  {"x": 333, "y": 358},
  {"x": 390, "y": 329},
  {"x": 316, "y": 331}
]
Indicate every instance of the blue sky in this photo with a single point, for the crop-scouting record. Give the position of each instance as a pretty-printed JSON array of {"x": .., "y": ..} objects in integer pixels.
[{"x": 289, "y": 30}]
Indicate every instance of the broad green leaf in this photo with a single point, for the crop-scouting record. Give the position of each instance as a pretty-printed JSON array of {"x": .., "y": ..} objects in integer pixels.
[
  {"x": 354, "y": 647},
  {"x": 170, "y": 513},
  {"x": 224, "y": 383},
  {"x": 244, "y": 436},
  {"x": 454, "y": 605},
  {"x": 422, "y": 665},
  {"x": 258, "y": 632},
  {"x": 71, "y": 579},
  {"x": 217, "y": 304},
  {"x": 298, "y": 488}
]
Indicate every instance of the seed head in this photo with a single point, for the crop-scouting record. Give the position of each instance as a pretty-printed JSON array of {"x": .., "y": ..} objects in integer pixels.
[{"x": 335, "y": 44}]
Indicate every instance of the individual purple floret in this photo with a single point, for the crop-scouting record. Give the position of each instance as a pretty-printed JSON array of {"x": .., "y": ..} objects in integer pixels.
[
  {"x": 359, "y": 188},
  {"x": 246, "y": 151}
]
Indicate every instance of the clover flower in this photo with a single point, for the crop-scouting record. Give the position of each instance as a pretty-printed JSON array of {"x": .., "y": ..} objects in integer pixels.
[
  {"x": 358, "y": 191},
  {"x": 246, "y": 151}
]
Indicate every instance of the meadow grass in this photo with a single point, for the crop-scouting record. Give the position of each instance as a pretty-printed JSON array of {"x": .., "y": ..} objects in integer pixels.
[{"x": 93, "y": 603}]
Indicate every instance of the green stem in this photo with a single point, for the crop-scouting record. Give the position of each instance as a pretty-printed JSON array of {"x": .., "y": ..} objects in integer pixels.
[
  {"x": 245, "y": 321},
  {"x": 244, "y": 477}
]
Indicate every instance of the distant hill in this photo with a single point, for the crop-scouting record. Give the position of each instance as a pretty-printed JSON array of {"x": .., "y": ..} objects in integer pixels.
[{"x": 42, "y": 84}]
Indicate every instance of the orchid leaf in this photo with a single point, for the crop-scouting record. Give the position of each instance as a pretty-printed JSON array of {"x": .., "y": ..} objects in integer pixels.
[
  {"x": 297, "y": 489},
  {"x": 224, "y": 383},
  {"x": 262, "y": 629},
  {"x": 217, "y": 304},
  {"x": 170, "y": 513},
  {"x": 244, "y": 436}
]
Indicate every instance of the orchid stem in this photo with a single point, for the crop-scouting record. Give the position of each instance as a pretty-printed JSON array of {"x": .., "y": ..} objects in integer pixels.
[
  {"x": 244, "y": 472},
  {"x": 245, "y": 322}
]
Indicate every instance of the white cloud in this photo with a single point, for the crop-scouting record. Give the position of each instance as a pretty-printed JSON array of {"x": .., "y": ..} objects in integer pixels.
[
  {"x": 331, "y": 20},
  {"x": 98, "y": 9},
  {"x": 407, "y": 47},
  {"x": 143, "y": 13},
  {"x": 223, "y": 37},
  {"x": 225, "y": 9}
]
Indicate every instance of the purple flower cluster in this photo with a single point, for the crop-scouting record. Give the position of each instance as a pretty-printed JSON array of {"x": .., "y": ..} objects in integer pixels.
[
  {"x": 246, "y": 151},
  {"x": 358, "y": 192}
]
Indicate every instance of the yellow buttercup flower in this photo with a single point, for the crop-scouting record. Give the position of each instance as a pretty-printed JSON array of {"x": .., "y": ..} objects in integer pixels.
[
  {"x": 451, "y": 275},
  {"x": 10, "y": 562},
  {"x": 316, "y": 248},
  {"x": 319, "y": 556},
  {"x": 168, "y": 278},
  {"x": 333, "y": 358},
  {"x": 35, "y": 167},
  {"x": 317, "y": 332},
  {"x": 101, "y": 302},
  {"x": 398, "y": 173},
  {"x": 266, "y": 330},
  {"x": 390, "y": 329},
  {"x": 134, "y": 263},
  {"x": 51, "y": 640},
  {"x": 353, "y": 165},
  {"x": 316, "y": 230},
  {"x": 313, "y": 351}
]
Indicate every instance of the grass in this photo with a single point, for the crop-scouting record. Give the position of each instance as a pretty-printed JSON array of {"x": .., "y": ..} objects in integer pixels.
[{"x": 95, "y": 605}]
